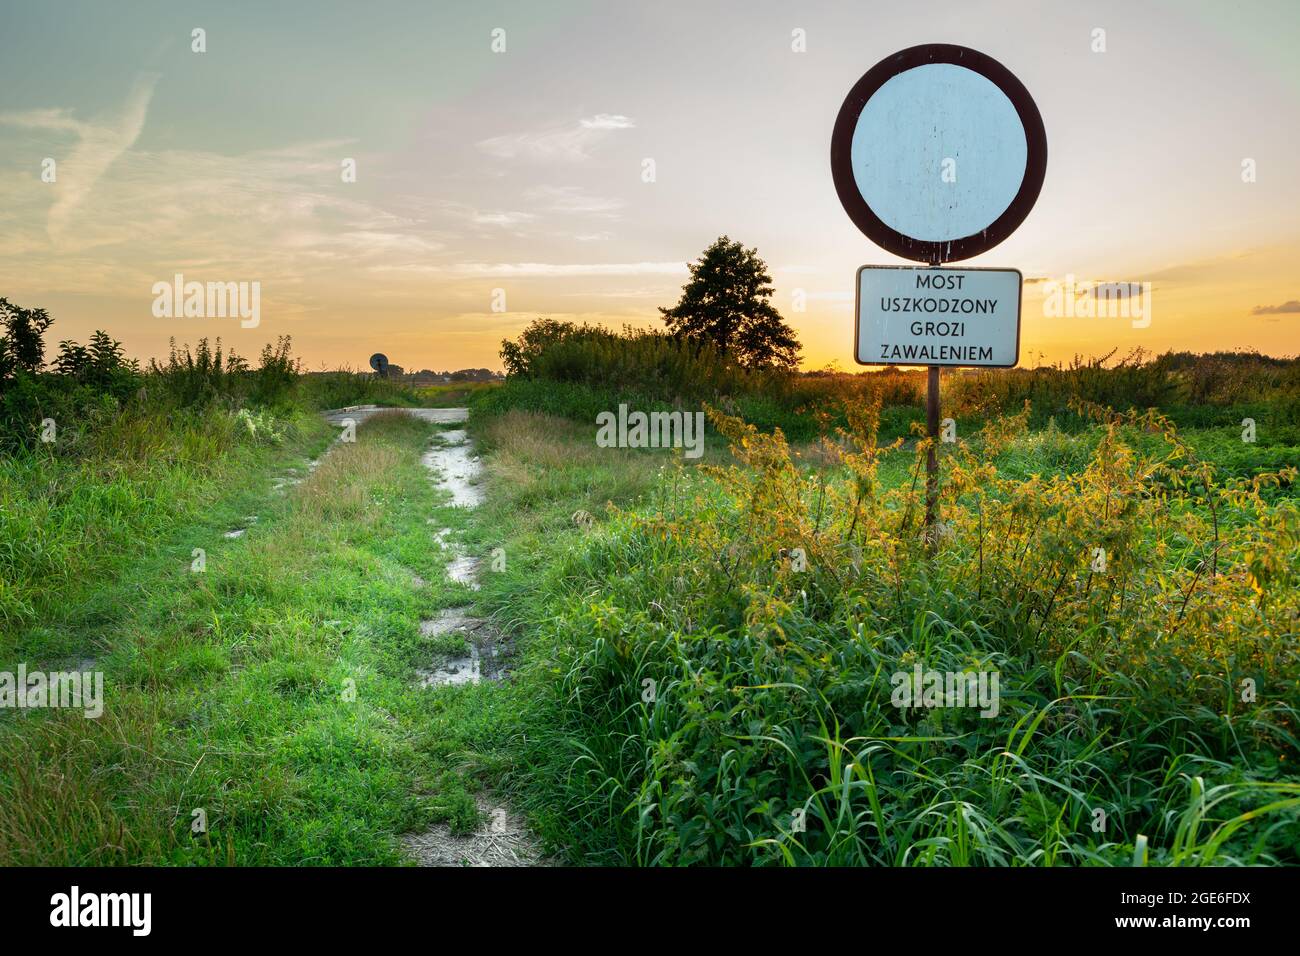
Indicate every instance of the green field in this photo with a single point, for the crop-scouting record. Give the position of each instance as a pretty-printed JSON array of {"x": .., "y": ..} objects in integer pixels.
[
  {"x": 707, "y": 652},
  {"x": 771, "y": 736}
]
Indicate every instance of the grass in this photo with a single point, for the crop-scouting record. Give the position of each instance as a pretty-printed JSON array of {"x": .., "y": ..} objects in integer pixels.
[
  {"x": 542, "y": 472},
  {"x": 690, "y": 700},
  {"x": 1215, "y": 430},
  {"x": 455, "y": 395},
  {"x": 685, "y": 694},
  {"x": 271, "y": 694},
  {"x": 575, "y": 371},
  {"x": 324, "y": 390},
  {"x": 70, "y": 517}
]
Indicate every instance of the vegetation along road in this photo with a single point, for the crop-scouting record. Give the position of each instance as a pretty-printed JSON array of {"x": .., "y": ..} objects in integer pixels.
[{"x": 455, "y": 624}]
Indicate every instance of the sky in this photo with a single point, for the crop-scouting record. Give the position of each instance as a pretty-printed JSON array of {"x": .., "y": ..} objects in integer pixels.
[{"x": 494, "y": 186}]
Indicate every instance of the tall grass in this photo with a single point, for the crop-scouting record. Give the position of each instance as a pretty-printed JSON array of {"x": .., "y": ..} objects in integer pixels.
[
  {"x": 705, "y": 701},
  {"x": 322, "y": 390},
  {"x": 571, "y": 370},
  {"x": 128, "y": 462},
  {"x": 227, "y": 692}
]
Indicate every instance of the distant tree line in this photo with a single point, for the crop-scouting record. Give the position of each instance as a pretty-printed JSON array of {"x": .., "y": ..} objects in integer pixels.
[
  {"x": 84, "y": 385},
  {"x": 461, "y": 375},
  {"x": 429, "y": 375}
]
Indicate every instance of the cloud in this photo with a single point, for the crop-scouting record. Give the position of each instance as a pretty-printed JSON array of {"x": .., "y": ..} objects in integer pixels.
[
  {"x": 56, "y": 119},
  {"x": 527, "y": 270},
  {"x": 281, "y": 216},
  {"x": 502, "y": 218},
  {"x": 1115, "y": 290},
  {"x": 100, "y": 142},
  {"x": 568, "y": 270},
  {"x": 607, "y": 121},
  {"x": 573, "y": 200},
  {"x": 368, "y": 243},
  {"x": 1283, "y": 309},
  {"x": 637, "y": 293},
  {"x": 557, "y": 144},
  {"x": 1073, "y": 285}
]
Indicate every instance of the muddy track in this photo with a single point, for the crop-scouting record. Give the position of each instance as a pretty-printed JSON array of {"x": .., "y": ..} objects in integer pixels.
[{"x": 504, "y": 839}]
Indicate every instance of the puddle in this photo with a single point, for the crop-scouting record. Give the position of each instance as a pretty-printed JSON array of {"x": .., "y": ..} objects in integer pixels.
[
  {"x": 463, "y": 569},
  {"x": 359, "y": 413},
  {"x": 457, "y": 467},
  {"x": 502, "y": 840},
  {"x": 455, "y": 671},
  {"x": 452, "y": 619},
  {"x": 487, "y": 658},
  {"x": 453, "y": 459},
  {"x": 239, "y": 532},
  {"x": 292, "y": 478}
]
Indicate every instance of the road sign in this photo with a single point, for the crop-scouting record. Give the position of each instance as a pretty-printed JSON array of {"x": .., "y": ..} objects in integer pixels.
[
  {"x": 938, "y": 153},
  {"x": 916, "y": 315}
]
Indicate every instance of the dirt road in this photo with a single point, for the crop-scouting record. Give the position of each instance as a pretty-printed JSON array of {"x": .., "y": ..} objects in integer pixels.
[{"x": 504, "y": 840}]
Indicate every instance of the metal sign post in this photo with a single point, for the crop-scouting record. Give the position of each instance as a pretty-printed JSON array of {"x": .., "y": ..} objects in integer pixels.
[
  {"x": 932, "y": 453},
  {"x": 938, "y": 154}
]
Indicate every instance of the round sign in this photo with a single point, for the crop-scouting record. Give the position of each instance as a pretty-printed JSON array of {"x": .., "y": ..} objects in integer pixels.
[
  {"x": 938, "y": 153},
  {"x": 379, "y": 361}
]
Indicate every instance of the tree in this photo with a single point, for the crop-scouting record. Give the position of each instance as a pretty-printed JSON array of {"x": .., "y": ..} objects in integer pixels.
[
  {"x": 727, "y": 301},
  {"x": 521, "y": 357},
  {"x": 22, "y": 346},
  {"x": 100, "y": 366}
]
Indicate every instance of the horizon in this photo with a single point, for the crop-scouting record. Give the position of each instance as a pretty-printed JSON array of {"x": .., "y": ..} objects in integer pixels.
[{"x": 518, "y": 178}]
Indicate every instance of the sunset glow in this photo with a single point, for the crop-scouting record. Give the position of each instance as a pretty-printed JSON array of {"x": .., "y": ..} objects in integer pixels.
[{"x": 524, "y": 170}]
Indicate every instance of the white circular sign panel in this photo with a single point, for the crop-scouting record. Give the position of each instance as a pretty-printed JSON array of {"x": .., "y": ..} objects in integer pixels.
[{"x": 939, "y": 152}]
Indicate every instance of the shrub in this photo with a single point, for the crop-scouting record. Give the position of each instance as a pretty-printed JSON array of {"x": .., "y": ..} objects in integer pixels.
[
  {"x": 189, "y": 379},
  {"x": 770, "y": 733},
  {"x": 659, "y": 368}
]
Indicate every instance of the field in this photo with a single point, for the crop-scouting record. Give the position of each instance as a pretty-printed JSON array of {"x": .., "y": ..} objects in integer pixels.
[
  {"x": 715, "y": 700},
  {"x": 709, "y": 653}
]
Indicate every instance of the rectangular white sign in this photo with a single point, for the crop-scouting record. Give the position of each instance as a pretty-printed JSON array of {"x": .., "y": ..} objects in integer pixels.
[{"x": 920, "y": 315}]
